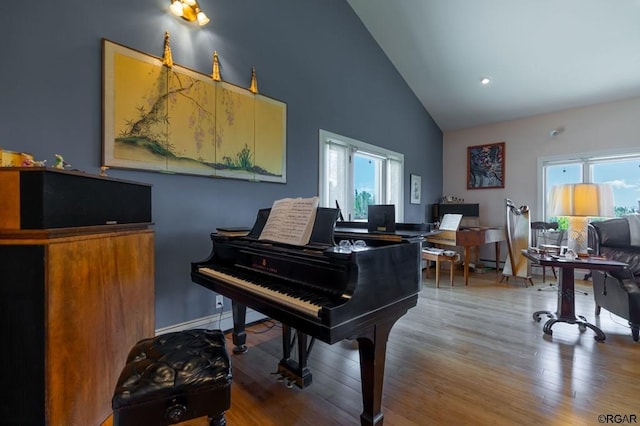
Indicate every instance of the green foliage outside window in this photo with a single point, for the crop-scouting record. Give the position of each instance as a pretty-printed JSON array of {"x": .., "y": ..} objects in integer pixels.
[
  {"x": 563, "y": 222},
  {"x": 362, "y": 201},
  {"x": 619, "y": 211}
]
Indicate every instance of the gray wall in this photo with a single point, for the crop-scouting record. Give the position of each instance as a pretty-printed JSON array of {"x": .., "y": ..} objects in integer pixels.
[{"x": 315, "y": 55}]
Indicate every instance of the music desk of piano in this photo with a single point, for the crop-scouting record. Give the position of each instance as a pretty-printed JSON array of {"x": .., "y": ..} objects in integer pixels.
[
  {"x": 319, "y": 291},
  {"x": 467, "y": 238},
  {"x": 356, "y": 233}
]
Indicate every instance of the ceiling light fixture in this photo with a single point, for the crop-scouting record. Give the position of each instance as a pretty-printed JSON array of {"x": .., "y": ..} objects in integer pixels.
[
  {"x": 189, "y": 10},
  {"x": 485, "y": 80}
]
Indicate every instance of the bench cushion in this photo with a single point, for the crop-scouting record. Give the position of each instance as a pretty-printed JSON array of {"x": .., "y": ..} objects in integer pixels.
[{"x": 173, "y": 364}]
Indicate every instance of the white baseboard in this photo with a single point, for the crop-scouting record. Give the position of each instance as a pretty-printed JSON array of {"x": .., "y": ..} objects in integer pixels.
[{"x": 222, "y": 321}]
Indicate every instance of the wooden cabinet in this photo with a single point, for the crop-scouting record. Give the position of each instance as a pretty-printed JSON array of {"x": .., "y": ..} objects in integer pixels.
[{"x": 73, "y": 301}]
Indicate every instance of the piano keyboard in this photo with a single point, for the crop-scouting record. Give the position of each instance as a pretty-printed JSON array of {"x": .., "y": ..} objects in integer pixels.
[{"x": 281, "y": 295}]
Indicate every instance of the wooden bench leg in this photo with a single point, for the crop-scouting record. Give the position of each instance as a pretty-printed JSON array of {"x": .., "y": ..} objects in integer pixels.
[{"x": 438, "y": 258}]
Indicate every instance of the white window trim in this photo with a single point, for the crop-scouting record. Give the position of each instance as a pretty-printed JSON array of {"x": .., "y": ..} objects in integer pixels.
[
  {"x": 325, "y": 136},
  {"x": 575, "y": 157}
]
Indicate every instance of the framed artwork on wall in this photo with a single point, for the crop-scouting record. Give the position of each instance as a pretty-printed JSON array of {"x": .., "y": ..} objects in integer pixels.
[
  {"x": 416, "y": 189},
  {"x": 485, "y": 166},
  {"x": 173, "y": 119}
]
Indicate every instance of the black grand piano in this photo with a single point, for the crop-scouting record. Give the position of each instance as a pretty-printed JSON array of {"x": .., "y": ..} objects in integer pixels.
[{"x": 319, "y": 291}]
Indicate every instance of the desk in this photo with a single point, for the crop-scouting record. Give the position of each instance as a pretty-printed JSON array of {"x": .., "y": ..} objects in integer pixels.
[
  {"x": 566, "y": 284},
  {"x": 467, "y": 238}
]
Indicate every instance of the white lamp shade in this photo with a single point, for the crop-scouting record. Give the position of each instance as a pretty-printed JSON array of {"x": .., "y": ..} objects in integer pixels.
[
  {"x": 202, "y": 18},
  {"x": 176, "y": 8},
  {"x": 189, "y": 10},
  {"x": 581, "y": 199}
]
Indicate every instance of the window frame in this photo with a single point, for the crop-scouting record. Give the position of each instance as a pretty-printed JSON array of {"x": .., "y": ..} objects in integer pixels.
[
  {"x": 585, "y": 159},
  {"x": 353, "y": 146}
]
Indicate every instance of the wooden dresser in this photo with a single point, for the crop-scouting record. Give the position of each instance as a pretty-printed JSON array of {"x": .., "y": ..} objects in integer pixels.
[{"x": 73, "y": 299}]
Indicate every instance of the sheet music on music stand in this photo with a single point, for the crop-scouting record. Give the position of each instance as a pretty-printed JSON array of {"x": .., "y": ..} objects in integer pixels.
[
  {"x": 450, "y": 222},
  {"x": 291, "y": 221}
]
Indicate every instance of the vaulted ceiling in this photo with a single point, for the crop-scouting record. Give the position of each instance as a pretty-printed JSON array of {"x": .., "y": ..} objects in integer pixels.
[{"x": 541, "y": 56}]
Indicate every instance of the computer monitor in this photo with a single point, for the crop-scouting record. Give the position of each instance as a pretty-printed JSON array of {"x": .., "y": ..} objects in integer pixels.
[{"x": 381, "y": 218}]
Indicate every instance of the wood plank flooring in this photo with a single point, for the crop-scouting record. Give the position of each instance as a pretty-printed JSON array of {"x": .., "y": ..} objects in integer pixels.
[{"x": 464, "y": 356}]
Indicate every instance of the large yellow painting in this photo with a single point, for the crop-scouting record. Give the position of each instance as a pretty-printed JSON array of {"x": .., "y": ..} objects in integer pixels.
[{"x": 176, "y": 120}]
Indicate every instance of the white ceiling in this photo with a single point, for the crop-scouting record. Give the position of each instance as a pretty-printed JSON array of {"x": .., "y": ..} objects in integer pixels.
[{"x": 542, "y": 55}]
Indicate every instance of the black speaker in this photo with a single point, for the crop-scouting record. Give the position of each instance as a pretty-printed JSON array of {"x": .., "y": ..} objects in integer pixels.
[{"x": 60, "y": 199}]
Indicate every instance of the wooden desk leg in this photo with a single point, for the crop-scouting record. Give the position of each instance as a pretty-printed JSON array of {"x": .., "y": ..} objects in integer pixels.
[
  {"x": 438, "y": 272},
  {"x": 451, "y": 271},
  {"x": 466, "y": 265}
]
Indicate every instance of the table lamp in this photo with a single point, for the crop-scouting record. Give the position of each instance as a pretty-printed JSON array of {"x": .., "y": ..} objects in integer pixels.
[{"x": 579, "y": 201}]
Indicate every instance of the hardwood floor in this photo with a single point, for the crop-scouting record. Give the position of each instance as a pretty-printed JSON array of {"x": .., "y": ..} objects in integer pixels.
[{"x": 465, "y": 356}]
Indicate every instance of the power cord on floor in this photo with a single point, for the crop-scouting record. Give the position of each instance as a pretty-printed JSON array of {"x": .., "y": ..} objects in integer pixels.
[{"x": 269, "y": 325}]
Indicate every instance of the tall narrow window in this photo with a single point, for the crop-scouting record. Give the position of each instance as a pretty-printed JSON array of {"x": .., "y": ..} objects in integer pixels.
[
  {"x": 336, "y": 179},
  {"x": 368, "y": 183},
  {"x": 354, "y": 175},
  {"x": 559, "y": 174}
]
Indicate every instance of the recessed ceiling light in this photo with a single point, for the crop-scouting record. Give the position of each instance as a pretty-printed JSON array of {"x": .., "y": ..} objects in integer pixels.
[{"x": 485, "y": 80}]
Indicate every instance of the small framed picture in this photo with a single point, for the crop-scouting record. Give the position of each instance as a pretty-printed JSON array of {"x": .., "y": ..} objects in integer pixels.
[
  {"x": 416, "y": 189},
  {"x": 563, "y": 250}
]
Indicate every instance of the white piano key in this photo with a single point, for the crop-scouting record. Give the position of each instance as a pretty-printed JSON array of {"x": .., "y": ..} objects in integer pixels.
[{"x": 300, "y": 305}]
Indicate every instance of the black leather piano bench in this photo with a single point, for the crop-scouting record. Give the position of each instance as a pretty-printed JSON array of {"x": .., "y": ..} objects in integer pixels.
[{"x": 174, "y": 377}]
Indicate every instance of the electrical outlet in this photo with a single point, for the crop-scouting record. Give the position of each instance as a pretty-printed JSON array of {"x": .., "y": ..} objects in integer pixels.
[{"x": 219, "y": 302}]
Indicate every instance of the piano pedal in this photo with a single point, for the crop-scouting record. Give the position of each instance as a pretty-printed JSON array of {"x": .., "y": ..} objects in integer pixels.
[
  {"x": 280, "y": 377},
  {"x": 285, "y": 378}
]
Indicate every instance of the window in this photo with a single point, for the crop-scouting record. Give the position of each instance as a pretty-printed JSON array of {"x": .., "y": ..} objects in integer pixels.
[
  {"x": 622, "y": 171},
  {"x": 355, "y": 174}
]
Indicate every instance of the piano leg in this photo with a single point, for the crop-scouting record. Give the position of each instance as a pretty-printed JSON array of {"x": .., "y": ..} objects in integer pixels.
[
  {"x": 239, "y": 322},
  {"x": 373, "y": 349},
  {"x": 295, "y": 372}
]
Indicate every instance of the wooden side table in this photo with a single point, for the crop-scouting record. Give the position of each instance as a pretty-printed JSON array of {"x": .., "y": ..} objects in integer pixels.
[{"x": 437, "y": 258}]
